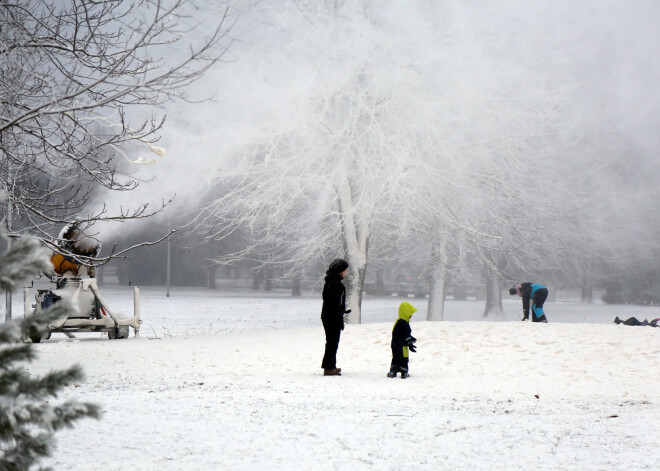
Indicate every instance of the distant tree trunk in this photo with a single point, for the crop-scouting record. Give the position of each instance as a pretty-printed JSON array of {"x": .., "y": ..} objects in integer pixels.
[
  {"x": 436, "y": 305},
  {"x": 493, "y": 292},
  {"x": 380, "y": 280},
  {"x": 269, "y": 280},
  {"x": 295, "y": 287},
  {"x": 210, "y": 276},
  {"x": 587, "y": 292},
  {"x": 256, "y": 279}
]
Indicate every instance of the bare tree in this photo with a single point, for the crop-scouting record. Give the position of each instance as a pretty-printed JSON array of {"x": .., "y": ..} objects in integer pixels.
[
  {"x": 311, "y": 182},
  {"x": 80, "y": 82},
  {"x": 462, "y": 137}
]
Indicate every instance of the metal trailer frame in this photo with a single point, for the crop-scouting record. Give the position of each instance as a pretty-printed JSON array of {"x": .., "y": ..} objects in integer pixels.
[{"x": 105, "y": 319}]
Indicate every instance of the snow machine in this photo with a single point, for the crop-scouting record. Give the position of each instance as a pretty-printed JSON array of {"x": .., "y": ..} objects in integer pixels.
[{"x": 94, "y": 314}]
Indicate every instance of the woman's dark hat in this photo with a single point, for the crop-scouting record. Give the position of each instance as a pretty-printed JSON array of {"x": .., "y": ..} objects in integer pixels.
[{"x": 338, "y": 265}]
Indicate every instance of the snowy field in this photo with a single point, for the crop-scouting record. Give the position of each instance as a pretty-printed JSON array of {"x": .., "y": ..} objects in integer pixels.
[{"x": 232, "y": 381}]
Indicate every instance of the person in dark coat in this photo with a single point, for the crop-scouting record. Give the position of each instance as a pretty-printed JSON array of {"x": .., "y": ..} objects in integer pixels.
[
  {"x": 332, "y": 314},
  {"x": 402, "y": 341},
  {"x": 537, "y": 294}
]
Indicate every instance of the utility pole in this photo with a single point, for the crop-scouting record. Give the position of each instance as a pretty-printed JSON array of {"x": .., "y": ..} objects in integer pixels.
[
  {"x": 8, "y": 300},
  {"x": 169, "y": 250},
  {"x": 169, "y": 247}
]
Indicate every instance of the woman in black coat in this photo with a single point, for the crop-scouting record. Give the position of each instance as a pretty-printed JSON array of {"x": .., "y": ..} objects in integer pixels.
[{"x": 332, "y": 314}]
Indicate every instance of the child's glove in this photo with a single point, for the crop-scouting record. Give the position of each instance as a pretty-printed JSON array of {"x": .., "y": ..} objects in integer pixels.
[{"x": 412, "y": 347}]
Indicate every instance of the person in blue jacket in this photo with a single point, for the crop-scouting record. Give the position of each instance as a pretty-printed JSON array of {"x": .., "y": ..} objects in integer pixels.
[
  {"x": 537, "y": 294},
  {"x": 402, "y": 341}
]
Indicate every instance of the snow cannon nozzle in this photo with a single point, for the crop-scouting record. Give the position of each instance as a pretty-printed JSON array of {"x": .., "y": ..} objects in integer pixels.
[{"x": 74, "y": 242}]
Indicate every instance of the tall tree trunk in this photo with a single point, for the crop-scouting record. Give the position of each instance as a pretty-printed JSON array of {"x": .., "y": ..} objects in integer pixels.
[
  {"x": 256, "y": 279},
  {"x": 380, "y": 280},
  {"x": 355, "y": 234},
  {"x": 493, "y": 292},
  {"x": 436, "y": 305},
  {"x": 269, "y": 280},
  {"x": 210, "y": 276},
  {"x": 354, "y": 286}
]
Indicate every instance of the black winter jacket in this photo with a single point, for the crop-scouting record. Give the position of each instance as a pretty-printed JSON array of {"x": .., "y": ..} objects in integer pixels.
[
  {"x": 334, "y": 300},
  {"x": 402, "y": 335}
]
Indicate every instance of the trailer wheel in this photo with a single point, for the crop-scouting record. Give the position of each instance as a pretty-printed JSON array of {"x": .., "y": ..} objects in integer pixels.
[
  {"x": 119, "y": 332},
  {"x": 37, "y": 336}
]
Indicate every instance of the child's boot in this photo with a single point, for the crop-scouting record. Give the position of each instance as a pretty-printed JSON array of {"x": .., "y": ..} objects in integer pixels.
[
  {"x": 391, "y": 374},
  {"x": 404, "y": 375}
]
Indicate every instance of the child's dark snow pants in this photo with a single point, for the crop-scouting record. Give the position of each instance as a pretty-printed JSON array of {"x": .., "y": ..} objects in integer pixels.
[{"x": 399, "y": 360}]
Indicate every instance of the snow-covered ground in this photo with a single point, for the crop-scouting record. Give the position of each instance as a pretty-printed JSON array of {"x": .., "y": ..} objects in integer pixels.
[{"x": 232, "y": 381}]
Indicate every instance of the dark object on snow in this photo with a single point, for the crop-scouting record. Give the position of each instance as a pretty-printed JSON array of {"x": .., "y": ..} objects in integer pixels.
[
  {"x": 535, "y": 292},
  {"x": 635, "y": 322},
  {"x": 332, "y": 312},
  {"x": 402, "y": 341}
]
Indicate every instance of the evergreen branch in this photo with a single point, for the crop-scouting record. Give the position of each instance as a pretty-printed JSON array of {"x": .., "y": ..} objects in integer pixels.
[
  {"x": 18, "y": 329},
  {"x": 10, "y": 355},
  {"x": 45, "y": 416},
  {"x": 24, "y": 259},
  {"x": 51, "y": 383},
  {"x": 26, "y": 450},
  {"x": 70, "y": 411}
]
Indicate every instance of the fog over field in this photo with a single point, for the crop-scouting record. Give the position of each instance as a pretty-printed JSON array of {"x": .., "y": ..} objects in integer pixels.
[
  {"x": 467, "y": 142},
  {"x": 448, "y": 152}
]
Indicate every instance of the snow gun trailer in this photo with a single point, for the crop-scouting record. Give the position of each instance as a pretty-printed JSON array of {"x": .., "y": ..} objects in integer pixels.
[{"x": 94, "y": 314}]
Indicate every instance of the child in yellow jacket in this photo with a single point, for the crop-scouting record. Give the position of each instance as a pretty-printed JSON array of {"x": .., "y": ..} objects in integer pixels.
[{"x": 402, "y": 341}]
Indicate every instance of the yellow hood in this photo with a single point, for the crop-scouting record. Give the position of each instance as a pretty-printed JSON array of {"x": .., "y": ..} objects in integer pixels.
[{"x": 406, "y": 310}]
